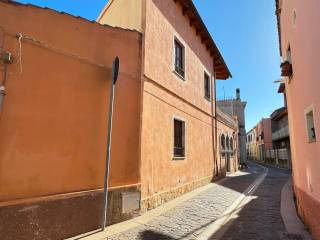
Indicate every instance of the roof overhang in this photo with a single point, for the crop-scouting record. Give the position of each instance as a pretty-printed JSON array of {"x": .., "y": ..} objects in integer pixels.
[
  {"x": 220, "y": 67},
  {"x": 277, "y": 114}
]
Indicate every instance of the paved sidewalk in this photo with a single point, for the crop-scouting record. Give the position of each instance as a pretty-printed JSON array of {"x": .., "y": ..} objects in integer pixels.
[{"x": 189, "y": 219}]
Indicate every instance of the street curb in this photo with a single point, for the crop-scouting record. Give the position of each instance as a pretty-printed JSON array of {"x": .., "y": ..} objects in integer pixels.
[
  {"x": 221, "y": 225},
  {"x": 269, "y": 165},
  {"x": 289, "y": 215}
]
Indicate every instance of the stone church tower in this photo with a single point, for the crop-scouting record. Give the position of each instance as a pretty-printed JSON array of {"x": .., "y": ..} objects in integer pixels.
[{"x": 236, "y": 107}]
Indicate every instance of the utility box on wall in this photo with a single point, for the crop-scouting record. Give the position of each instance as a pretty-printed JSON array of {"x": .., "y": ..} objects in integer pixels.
[{"x": 130, "y": 202}]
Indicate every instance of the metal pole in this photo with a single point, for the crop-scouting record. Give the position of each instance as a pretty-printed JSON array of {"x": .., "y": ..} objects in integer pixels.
[
  {"x": 106, "y": 180},
  {"x": 115, "y": 71}
]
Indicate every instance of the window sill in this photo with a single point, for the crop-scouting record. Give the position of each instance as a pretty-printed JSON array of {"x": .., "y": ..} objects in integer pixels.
[
  {"x": 312, "y": 141},
  {"x": 179, "y": 158},
  {"x": 179, "y": 75}
]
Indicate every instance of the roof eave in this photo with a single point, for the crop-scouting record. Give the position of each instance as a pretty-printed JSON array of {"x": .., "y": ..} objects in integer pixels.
[
  {"x": 278, "y": 11},
  {"x": 220, "y": 67}
]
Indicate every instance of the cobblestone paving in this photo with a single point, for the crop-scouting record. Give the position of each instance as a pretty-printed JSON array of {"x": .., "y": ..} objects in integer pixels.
[
  {"x": 190, "y": 219},
  {"x": 261, "y": 218}
]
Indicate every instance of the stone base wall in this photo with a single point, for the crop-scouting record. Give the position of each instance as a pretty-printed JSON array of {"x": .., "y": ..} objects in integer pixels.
[
  {"x": 156, "y": 200},
  {"x": 309, "y": 211},
  {"x": 62, "y": 216}
]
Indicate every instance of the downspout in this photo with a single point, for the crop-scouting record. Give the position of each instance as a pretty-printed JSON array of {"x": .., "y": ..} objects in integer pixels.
[
  {"x": 215, "y": 125},
  {"x": 6, "y": 58},
  {"x": 2, "y": 87}
]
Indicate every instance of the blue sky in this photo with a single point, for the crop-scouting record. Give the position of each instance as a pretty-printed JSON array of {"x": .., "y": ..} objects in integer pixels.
[{"x": 246, "y": 34}]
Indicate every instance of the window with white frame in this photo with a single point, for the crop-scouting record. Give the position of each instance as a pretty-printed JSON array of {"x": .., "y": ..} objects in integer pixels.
[{"x": 311, "y": 131}]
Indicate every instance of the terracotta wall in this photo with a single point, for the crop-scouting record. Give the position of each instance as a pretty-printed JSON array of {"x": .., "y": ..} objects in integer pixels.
[
  {"x": 267, "y": 133},
  {"x": 54, "y": 116},
  {"x": 303, "y": 36},
  {"x": 167, "y": 96}
]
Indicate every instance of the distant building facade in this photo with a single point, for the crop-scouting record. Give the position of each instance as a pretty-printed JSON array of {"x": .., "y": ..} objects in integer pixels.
[
  {"x": 280, "y": 135},
  {"x": 236, "y": 107},
  {"x": 228, "y": 153},
  {"x": 269, "y": 141},
  {"x": 259, "y": 140},
  {"x": 251, "y": 145},
  {"x": 299, "y": 38}
]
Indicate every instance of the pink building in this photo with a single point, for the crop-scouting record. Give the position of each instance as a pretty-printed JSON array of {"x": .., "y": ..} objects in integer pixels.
[
  {"x": 299, "y": 36},
  {"x": 262, "y": 141}
]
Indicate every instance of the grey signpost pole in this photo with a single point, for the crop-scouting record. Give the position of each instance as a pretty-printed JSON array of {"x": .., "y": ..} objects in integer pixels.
[{"x": 115, "y": 73}]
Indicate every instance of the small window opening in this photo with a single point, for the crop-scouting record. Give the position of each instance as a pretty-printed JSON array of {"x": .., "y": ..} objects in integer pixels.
[
  {"x": 207, "y": 92},
  {"x": 179, "y": 52},
  {"x": 310, "y": 127},
  {"x": 179, "y": 139}
]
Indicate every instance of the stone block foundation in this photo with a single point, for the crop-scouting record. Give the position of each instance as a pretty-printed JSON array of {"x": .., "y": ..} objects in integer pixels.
[
  {"x": 163, "y": 197},
  {"x": 62, "y": 216}
]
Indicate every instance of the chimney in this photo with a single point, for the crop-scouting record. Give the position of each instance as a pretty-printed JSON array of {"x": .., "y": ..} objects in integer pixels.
[{"x": 238, "y": 94}]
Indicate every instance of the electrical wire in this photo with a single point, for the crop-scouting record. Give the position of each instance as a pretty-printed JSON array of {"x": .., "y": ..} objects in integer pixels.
[
  {"x": 20, "y": 52},
  {"x": 42, "y": 44},
  {"x": 62, "y": 52}
]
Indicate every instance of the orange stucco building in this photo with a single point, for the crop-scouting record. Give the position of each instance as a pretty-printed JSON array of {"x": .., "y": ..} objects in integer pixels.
[
  {"x": 53, "y": 119},
  {"x": 299, "y": 48},
  {"x": 179, "y": 95}
]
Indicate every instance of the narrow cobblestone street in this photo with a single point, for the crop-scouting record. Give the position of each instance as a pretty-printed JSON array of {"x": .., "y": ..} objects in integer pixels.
[{"x": 260, "y": 219}]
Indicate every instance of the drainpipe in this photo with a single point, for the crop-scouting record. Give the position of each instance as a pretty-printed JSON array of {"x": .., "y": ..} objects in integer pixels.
[
  {"x": 6, "y": 58},
  {"x": 216, "y": 128}
]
